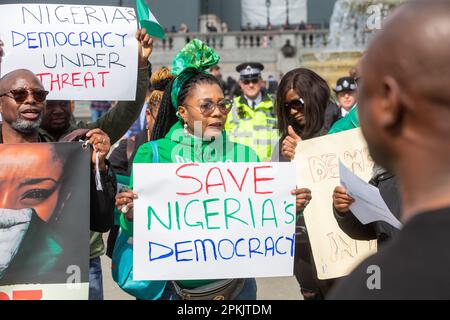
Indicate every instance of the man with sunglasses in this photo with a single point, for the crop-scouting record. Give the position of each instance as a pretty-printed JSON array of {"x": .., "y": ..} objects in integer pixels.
[
  {"x": 22, "y": 101},
  {"x": 252, "y": 120},
  {"x": 22, "y": 105}
]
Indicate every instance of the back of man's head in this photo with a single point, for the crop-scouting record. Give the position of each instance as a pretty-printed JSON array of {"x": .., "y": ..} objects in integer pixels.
[
  {"x": 404, "y": 102},
  {"x": 405, "y": 96}
]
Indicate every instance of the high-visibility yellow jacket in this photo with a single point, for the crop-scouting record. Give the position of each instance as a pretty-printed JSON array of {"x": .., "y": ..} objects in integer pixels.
[{"x": 254, "y": 127}]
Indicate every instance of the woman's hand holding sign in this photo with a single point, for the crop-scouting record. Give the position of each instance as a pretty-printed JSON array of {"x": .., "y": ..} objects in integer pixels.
[
  {"x": 145, "y": 46},
  {"x": 302, "y": 198},
  {"x": 101, "y": 144},
  {"x": 341, "y": 200},
  {"x": 124, "y": 203}
]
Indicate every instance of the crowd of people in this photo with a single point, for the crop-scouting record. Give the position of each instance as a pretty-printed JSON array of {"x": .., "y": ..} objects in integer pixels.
[{"x": 399, "y": 100}]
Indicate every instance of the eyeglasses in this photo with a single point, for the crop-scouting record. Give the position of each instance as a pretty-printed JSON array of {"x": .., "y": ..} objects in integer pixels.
[
  {"x": 297, "y": 104},
  {"x": 207, "y": 108},
  {"x": 247, "y": 82},
  {"x": 21, "y": 94}
]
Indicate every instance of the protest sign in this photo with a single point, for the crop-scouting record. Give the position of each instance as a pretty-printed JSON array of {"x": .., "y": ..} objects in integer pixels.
[
  {"x": 213, "y": 220},
  {"x": 44, "y": 221},
  {"x": 317, "y": 161},
  {"x": 78, "y": 52}
]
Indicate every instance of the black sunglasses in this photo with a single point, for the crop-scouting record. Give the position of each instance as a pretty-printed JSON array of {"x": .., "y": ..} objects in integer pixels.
[
  {"x": 247, "y": 82},
  {"x": 21, "y": 94},
  {"x": 297, "y": 104}
]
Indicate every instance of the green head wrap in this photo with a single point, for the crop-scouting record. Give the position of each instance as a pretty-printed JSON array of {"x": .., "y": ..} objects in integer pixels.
[{"x": 193, "y": 59}]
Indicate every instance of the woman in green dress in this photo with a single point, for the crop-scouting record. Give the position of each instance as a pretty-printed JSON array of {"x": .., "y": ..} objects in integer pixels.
[{"x": 190, "y": 128}]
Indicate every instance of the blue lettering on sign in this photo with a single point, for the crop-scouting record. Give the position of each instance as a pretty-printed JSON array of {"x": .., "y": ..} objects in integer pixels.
[
  {"x": 62, "y": 36},
  {"x": 178, "y": 252},
  {"x": 30, "y": 38},
  {"x": 13, "y": 35},
  {"x": 251, "y": 248},
  {"x": 223, "y": 249},
  {"x": 213, "y": 247},
  {"x": 104, "y": 40},
  {"x": 47, "y": 39},
  {"x": 73, "y": 44},
  {"x": 269, "y": 246},
  {"x": 292, "y": 240},
  {"x": 276, "y": 246},
  {"x": 163, "y": 256},
  {"x": 237, "y": 243},
  {"x": 232, "y": 249}
]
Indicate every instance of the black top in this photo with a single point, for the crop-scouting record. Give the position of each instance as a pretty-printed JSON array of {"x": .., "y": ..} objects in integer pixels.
[
  {"x": 120, "y": 160},
  {"x": 414, "y": 265}
]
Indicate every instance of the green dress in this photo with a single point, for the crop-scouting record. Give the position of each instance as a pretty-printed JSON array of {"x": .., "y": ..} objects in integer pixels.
[{"x": 350, "y": 121}]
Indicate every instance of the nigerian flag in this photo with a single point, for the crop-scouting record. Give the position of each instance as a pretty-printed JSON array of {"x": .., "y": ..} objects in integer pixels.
[{"x": 148, "y": 21}]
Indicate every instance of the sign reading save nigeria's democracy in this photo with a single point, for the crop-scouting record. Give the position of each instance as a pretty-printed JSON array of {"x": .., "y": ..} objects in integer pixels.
[
  {"x": 213, "y": 220},
  {"x": 79, "y": 52}
]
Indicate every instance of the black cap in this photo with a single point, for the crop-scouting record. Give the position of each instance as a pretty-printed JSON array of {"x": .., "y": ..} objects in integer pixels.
[
  {"x": 345, "y": 84},
  {"x": 249, "y": 70}
]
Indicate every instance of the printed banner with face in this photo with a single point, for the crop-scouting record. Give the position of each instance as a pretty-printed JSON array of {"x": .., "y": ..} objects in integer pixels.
[
  {"x": 44, "y": 221},
  {"x": 213, "y": 220},
  {"x": 79, "y": 52},
  {"x": 317, "y": 160}
]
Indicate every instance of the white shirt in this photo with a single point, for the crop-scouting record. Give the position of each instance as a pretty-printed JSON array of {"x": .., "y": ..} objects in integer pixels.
[
  {"x": 345, "y": 112},
  {"x": 257, "y": 100}
]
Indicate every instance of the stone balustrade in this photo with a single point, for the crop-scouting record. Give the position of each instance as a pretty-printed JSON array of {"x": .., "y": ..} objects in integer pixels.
[{"x": 302, "y": 39}]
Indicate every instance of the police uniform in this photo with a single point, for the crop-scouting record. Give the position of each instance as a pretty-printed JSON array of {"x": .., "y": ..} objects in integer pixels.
[
  {"x": 348, "y": 120},
  {"x": 253, "y": 123},
  {"x": 345, "y": 84}
]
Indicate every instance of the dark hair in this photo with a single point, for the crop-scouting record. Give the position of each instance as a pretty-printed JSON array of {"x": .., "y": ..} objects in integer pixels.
[
  {"x": 315, "y": 92},
  {"x": 167, "y": 111}
]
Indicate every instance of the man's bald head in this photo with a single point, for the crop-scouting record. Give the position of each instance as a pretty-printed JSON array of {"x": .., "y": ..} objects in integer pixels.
[
  {"x": 404, "y": 98},
  {"x": 12, "y": 76},
  {"x": 22, "y": 101}
]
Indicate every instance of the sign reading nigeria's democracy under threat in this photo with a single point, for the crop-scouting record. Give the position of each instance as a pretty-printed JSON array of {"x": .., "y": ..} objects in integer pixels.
[
  {"x": 78, "y": 52},
  {"x": 213, "y": 220}
]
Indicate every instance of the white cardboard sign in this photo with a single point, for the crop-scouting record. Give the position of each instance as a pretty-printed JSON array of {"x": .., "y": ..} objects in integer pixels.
[{"x": 213, "y": 220}]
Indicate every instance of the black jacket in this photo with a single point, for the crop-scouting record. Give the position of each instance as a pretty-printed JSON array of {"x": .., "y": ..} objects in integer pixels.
[
  {"x": 332, "y": 114},
  {"x": 102, "y": 202},
  {"x": 121, "y": 158},
  {"x": 380, "y": 230}
]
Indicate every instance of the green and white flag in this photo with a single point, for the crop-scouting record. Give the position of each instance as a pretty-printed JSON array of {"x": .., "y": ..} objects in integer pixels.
[{"x": 148, "y": 21}]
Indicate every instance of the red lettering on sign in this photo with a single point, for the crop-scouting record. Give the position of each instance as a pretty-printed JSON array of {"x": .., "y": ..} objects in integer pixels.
[
  {"x": 256, "y": 179},
  {"x": 188, "y": 177},
  {"x": 242, "y": 181},
  {"x": 208, "y": 184}
]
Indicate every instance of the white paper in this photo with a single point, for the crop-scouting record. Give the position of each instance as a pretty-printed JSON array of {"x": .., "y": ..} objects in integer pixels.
[
  {"x": 369, "y": 206},
  {"x": 176, "y": 252},
  {"x": 79, "y": 52}
]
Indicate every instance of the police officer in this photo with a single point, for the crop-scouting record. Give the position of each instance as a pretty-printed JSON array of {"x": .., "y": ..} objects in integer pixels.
[
  {"x": 252, "y": 120},
  {"x": 346, "y": 94}
]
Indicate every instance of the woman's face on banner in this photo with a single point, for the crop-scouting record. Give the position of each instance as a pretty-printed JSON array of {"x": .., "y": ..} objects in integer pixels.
[{"x": 30, "y": 178}]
